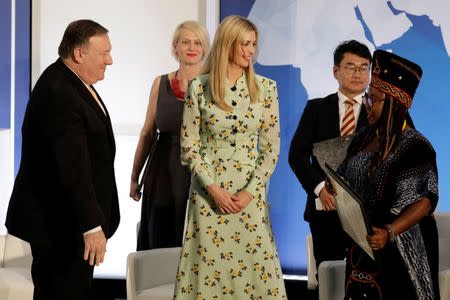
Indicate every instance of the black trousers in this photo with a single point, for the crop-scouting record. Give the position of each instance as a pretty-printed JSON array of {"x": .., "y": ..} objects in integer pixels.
[
  {"x": 61, "y": 273},
  {"x": 329, "y": 239}
]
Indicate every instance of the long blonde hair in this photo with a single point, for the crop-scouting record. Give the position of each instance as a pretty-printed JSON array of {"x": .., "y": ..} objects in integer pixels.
[{"x": 231, "y": 32}]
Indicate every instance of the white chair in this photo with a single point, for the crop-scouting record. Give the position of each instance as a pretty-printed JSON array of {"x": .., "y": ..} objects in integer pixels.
[
  {"x": 15, "y": 269},
  {"x": 332, "y": 280},
  {"x": 332, "y": 273},
  {"x": 443, "y": 225},
  {"x": 311, "y": 269},
  {"x": 151, "y": 274}
]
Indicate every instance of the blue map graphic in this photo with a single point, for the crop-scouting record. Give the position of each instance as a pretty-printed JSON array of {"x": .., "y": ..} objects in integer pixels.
[{"x": 422, "y": 43}]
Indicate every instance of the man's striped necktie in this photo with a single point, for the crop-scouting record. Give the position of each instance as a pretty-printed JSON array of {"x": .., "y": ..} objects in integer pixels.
[{"x": 348, "y": 122}]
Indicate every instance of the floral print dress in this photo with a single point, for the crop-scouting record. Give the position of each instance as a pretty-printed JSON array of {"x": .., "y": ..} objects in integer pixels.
[{"x": 229, "y": 256}]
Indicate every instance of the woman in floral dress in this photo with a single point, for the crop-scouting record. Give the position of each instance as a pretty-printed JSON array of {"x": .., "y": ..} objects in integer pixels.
[{"x": 230, "y": 141}]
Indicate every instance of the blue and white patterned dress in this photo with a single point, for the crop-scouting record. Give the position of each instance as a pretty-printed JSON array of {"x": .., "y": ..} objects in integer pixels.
[{"x": 406, "y": 268}]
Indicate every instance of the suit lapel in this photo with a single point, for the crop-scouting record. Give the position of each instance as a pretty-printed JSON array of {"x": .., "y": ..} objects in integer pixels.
[
  {"x": 362, "y": 119},
  {"x": 83, "y": 90},
  {"x": 105, "y": 114},
  {"x": 333, "y": 114},
  {"x": 90, "y": 100}
]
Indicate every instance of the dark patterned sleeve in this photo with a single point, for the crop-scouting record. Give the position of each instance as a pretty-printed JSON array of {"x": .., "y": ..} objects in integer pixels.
[
  {"x": 352, "y": 149},
  {"x": 418, "y": 176}
]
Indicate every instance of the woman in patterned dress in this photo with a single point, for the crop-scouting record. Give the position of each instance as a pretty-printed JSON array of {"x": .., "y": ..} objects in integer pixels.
[
  {"x": 230, "y": 141},
  {"x": 166, "y": 185},
  {"x": 392, "y": 167}
]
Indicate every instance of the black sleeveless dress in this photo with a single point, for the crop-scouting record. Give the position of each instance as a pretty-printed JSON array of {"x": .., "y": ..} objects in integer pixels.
[{"x": 166, "y": 186}]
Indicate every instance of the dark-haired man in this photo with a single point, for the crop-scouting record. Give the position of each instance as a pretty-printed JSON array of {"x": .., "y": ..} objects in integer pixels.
[
  {"x": 64, "y": 201},
  {"x": 322, "y": 119}
]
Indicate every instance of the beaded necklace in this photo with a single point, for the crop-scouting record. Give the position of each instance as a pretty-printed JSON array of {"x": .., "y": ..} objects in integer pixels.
[{"x": 175, "y": 84}]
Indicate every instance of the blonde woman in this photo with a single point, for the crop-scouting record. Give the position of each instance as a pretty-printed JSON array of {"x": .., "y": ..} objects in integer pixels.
[
  {"x": 166, "y": 185},
  {"x": 230, "y": 142}
]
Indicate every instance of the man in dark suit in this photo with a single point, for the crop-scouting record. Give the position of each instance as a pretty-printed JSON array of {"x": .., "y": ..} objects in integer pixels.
[
  {"x": 64, "y": 201},
  {"x": 322, "y": 119}
]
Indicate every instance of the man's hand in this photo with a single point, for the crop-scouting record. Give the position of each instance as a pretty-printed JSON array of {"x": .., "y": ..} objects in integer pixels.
[
  {"x": 94, "y": 247},
  {"x": 327, "y": 200},
  {"x": 242, "y": 198}
]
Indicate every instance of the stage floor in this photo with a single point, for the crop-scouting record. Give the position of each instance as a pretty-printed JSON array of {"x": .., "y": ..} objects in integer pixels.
[{"x": 115, "y": 289}]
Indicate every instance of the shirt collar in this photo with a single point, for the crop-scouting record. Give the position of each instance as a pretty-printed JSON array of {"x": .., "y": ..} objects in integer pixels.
[
  {"x": 240, "y": 83},
  {"x": 343, "y": 98},
  {"x": 87, "y": 85}
]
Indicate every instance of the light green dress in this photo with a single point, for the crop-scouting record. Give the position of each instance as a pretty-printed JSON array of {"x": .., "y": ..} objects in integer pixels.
[{"x": 229, "y": 256}]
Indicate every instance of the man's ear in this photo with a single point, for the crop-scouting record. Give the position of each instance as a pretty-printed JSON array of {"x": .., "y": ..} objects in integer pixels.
[
  {"x": 335, "y": 70},
  {"x": 77, "y": 55}
]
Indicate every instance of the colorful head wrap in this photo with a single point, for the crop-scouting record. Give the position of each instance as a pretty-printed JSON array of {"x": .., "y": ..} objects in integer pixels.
[{"x": 395, "y": 75}]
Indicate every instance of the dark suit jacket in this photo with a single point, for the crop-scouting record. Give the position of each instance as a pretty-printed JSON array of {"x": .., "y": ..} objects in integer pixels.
[
  {"x": 319, "y": 122},
  {"x": 66, "y": 183}
]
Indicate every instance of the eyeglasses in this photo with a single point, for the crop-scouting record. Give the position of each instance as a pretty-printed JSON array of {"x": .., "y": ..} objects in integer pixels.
[
  {"x": 369, "y": 101},
  {"x": 350, "y": 69}
]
